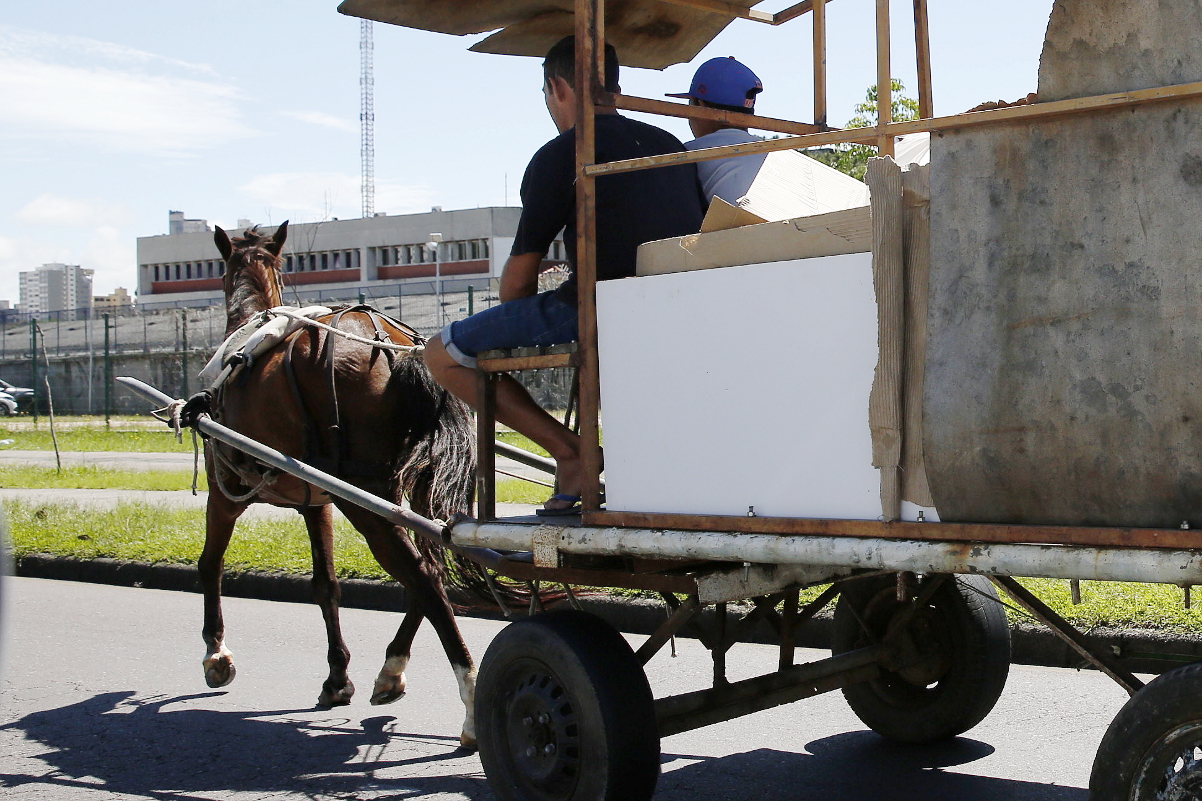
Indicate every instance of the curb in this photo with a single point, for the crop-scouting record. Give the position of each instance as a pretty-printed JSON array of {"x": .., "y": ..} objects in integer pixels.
[{"x": 1139, "y": 650}]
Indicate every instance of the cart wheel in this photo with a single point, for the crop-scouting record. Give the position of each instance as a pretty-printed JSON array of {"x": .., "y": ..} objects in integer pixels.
[
  {"x": 963, "y": 633},
  {"x": 564, "y": 711},
  {"x": 1153, "y": 749}
]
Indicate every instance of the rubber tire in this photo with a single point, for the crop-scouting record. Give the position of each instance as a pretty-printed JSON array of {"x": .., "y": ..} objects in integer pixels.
[
  {"x": 1156, "y": 724},
  {"x": 965, "y": 622},
  {"x": 607, "y": 740}
]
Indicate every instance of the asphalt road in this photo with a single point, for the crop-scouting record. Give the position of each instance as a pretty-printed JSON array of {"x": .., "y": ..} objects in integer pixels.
[{"x": 103, "y": 698}]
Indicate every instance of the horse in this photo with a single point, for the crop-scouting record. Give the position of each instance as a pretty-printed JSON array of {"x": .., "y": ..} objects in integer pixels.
[{"x": 368, "y": 414}]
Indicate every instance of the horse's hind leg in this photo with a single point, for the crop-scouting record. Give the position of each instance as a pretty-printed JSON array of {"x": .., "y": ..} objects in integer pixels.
[
  {"x": 220, "y": 516},
  {"x": 390, "y": 684},
  {"x": 397, "y": 554},
  {"x": 327, "y": 594}
]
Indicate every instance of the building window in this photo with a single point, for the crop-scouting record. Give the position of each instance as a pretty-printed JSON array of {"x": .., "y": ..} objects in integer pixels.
[
  {"x": 177, "y": 272},
  {"x": 484, "y": 248},
  {"x": 156, "y": 272}
]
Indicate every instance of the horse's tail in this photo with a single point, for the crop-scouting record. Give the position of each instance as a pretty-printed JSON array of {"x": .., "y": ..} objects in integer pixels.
[{"x": 437, "y": 474}]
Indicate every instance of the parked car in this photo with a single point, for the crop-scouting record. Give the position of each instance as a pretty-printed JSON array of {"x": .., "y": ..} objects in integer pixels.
[
  {"x": 7, "y": 405},
  {"x": 22, "y": 396}
]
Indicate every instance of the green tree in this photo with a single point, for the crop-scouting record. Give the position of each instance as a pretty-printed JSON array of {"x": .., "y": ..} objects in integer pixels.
[{"x": 853, "y": 159}]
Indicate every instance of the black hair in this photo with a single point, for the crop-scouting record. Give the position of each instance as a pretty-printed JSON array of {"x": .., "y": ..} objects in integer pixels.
[
  {"x": 561, "y": 63},
  {"x": 739, "y": 109}
]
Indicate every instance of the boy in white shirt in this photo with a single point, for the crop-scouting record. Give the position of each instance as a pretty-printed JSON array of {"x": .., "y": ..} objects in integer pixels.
[{"x": 726, "y": 84}]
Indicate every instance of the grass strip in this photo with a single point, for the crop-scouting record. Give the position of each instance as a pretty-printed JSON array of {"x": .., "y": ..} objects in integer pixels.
[
  {"x": 154, "y": 534},
  {"x": 135, "y": 440},
  {"x": 510, "y": 490},
  {"x": 158, "y": 534}
]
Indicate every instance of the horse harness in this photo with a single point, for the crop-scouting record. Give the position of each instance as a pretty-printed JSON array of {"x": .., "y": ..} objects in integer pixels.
[{"x": 329, "y": 454}]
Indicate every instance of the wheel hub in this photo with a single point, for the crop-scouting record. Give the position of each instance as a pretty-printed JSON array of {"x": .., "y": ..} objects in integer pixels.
[
  {"x": 1173, "y": 769},
  {"x": 543, "y": 734}
]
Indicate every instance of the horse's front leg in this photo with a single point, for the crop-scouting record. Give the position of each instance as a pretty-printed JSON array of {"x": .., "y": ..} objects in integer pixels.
[
  {"x": 220, "y": 516},
  {"x": 327, "y": 594}
]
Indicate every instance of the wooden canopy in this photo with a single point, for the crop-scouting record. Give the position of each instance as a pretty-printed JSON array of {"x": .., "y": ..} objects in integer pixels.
[{"x": 647, "y": 33}]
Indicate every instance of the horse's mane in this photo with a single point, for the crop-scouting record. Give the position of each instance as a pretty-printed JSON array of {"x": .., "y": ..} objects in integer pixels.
[
  {"x": 249, "y": 291},
  {"x": 251, "y": 238}
]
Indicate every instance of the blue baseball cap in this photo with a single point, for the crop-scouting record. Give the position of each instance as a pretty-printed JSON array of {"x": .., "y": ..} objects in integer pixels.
[{"x": 724, "y": 81}]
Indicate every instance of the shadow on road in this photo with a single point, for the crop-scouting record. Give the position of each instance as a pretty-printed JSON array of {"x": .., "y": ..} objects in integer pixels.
[
  {"x": 856, "y": 765},
  {"x": 118, "y": 743}
]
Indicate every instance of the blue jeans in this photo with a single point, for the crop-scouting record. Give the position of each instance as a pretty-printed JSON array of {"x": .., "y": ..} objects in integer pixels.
[{"x": 534, "y": 321}]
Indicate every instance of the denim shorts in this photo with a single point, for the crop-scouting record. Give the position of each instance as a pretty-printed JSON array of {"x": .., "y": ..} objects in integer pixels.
[{"x": 534, "y": 321}]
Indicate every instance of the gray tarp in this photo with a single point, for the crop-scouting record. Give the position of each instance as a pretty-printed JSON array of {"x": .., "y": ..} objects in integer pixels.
[{"x": 1064, "y": 362}]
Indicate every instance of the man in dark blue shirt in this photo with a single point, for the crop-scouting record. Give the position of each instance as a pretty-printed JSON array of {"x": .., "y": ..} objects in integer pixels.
[{"x": 632, "y": 208}]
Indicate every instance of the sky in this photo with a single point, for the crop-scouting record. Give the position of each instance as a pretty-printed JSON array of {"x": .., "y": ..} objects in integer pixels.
[{"x": 112, "y": 114}]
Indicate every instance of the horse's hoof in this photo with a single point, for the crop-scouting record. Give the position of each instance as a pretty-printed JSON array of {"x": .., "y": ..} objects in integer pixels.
[
  {"x": 220, "y": 673},
  {"x": 386, "y": 697},
  {"x": 388, "y": 689},
  {"x": 336, "y": 697},
  {"x": 467, "y": 741}
]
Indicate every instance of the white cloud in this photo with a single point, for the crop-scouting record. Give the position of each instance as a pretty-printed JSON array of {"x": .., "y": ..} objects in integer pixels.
[
  {"x": 39, "y": 45},
  {"x": 114, "y": 97},
  {"x": 323, "y": 119},
  {"x": 310, "y": 196},
  {"x": 111, "y": 253},
  {"x": 51, "y": 209}
]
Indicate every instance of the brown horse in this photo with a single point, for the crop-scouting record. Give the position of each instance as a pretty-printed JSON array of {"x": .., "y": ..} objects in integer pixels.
[{"x": 369, "y": 415}]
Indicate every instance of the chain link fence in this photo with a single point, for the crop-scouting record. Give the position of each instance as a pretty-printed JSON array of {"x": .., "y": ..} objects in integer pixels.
[{"x": 80, "y": 353}]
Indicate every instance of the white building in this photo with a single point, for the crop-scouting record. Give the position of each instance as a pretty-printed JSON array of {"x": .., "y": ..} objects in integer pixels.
[
  {"x": 65, "y": 289},
  {"x": 374, "y": 256}
]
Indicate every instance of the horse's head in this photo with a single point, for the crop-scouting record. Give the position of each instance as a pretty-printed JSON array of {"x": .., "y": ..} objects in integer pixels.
[{"x": 253, "y": 280}]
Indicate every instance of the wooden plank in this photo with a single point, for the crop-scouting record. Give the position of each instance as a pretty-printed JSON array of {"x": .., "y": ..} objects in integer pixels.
[
  {"x": 726, "y": 9},
  {"x": 922, "y": 47},
  {"x": 793, "y": 12},
  {"x": 884, "y": 81},
  {"x": 1014, "y": 114},
  {"x": 670, "y": 109},
  {"x": 935, "y": 532},
  {"x": 590, "y": 33},
  {"x": 486, "y": 423},
  {"x": 820, "y": 62},
  {"x": 527, "y": 362}
]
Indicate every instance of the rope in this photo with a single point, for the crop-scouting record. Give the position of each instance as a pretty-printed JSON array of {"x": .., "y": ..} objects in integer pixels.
[
  {"x": 416, "y": 350},
  {"x": 269, "y": 477},
  {"x": 169, "y": 414},
  {"x": 195, "y": 461}
]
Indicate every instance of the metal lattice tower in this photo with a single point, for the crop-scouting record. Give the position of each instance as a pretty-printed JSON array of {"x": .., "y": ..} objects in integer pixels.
[{"x": 367, "y": 119}]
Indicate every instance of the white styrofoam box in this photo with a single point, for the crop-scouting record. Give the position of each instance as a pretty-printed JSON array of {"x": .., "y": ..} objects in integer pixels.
[{"x": 741, "y": 386}]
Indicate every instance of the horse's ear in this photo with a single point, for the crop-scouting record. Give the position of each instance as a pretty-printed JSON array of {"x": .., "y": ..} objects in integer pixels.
[
  {"x": 222, "y": 240},
  {"x": 277, "y": 239}
]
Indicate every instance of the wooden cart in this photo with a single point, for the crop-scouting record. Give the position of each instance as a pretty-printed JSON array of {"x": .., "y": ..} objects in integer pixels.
[{"x": 921, "y": 645}]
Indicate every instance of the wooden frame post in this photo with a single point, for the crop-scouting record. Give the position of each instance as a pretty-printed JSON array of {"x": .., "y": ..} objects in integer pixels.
[
  {"x": 820, "y": 111},
  {"x": 486, "y": 464},
  {"x": 922, "y": 50},
  {"x": 590, "y": 54},
  {"x": 884, "y": 81}
]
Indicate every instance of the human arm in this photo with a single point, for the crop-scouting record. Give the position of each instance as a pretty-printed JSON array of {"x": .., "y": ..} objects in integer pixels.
[{"x": 519, "y": 278}]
